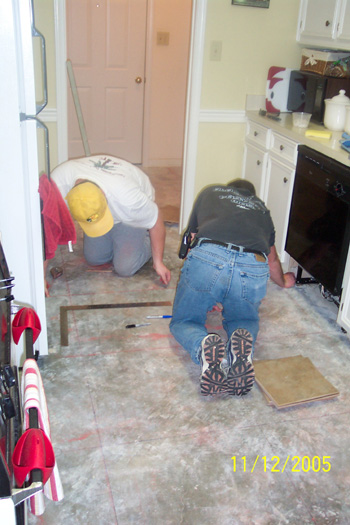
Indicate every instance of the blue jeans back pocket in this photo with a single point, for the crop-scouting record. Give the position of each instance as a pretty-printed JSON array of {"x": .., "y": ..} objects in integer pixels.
[
  {"x": 254, "y": 284},
  {"x": 201, "y": 273}
]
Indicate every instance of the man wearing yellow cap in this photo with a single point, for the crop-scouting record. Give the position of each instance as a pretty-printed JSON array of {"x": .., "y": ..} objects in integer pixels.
[{"x": 113, "y": 202}]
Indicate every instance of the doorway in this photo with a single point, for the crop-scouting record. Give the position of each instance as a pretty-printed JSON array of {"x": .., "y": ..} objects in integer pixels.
[
  {"x": 153, "y": 137},
  {"x": 106, "y": 44},
  {"x": 199, "y": 9}
]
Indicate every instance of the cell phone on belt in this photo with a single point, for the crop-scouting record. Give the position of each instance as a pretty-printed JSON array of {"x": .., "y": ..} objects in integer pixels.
[{"x": 185, "y": 244}]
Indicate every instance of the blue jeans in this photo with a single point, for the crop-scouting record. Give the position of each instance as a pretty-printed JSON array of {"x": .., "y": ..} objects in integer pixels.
[
  {"x": 127, "y": 247},
  {"x": 214, "y": 274}
]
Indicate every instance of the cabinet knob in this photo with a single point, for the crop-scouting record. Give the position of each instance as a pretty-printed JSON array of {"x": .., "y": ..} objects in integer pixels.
[
  {"x": 327, "y": 23},
  {"x": 281, "y": 147},
  {"x": 256, "y": 133},
  {"x": 258, "y": 162},
  {"x": 285, "y": 179}
]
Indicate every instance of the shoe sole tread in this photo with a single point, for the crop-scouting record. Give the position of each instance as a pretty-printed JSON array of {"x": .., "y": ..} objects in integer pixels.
[
  {"x": 213, "y": 379},
  {"x": 241, "y": 375}
]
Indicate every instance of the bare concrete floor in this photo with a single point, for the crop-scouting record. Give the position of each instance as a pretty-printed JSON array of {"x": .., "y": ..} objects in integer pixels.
[{"x": 136, "y": 443}]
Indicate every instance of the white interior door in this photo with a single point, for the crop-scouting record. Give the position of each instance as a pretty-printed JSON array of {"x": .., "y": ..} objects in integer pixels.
[
  {"x": 106, "y": 42},
  {"x": 199, "y": 13}
]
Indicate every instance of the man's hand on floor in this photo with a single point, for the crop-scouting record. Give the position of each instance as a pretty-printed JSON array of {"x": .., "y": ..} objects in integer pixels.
[
  {"x": 163, "y": 272},
  {"x": 289, "y": 280}
]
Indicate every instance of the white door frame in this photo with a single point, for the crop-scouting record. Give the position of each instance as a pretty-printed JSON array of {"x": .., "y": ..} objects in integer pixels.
[
  {"x": 194, "y": 90},
  {"x": 194, "y": 86},
  {"x": 61, "y": 80}
]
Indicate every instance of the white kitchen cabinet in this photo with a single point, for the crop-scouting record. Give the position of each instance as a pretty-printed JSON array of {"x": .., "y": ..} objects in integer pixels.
[
  {"x": 324, "y": 23},
  {"x": 279, "y": 186},
  {"x": 258, "y": 134},
  {"x": 269, "y": 163},
  {"x": 343, "y": 28},
  {"x": 279, "y": 189},
  {"x": 284, "y": 148},
  {"x": 256, "y": 155},
  {"x": 254, "y": 166},
  {"x": 279, "y": 140},
  {"x": 343, "y": 318}
]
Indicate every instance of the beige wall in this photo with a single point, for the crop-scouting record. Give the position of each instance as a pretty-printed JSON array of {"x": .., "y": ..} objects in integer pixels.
[
  {"x": 253, "y": 39},
  {"x": 44, "y": 23},
  {"x": 220, "y": 148}
]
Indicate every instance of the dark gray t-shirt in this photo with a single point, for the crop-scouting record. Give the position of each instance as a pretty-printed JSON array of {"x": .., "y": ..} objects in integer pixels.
[{"x": 232, "y": 215}]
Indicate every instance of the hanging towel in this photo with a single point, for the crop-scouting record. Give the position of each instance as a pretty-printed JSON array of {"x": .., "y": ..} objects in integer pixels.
[
  {"x": 58, "y": 224},
  {"x": 33, "y": 396}
]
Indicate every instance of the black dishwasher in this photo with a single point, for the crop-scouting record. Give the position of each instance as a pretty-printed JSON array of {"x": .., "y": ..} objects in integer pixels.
[{"x": 319, "y": 222}]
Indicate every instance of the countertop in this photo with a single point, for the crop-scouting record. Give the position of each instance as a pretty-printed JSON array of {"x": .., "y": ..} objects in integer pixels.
[{"x": 330, "y": 147}]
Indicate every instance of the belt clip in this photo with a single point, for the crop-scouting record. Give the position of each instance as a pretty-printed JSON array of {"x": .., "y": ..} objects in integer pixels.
[{"x": 202, "y": 240}]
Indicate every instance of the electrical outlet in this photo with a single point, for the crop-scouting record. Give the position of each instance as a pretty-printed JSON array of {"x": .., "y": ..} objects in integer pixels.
[
  {"x": 162, "y": 38},
  {"x": 215, "y": 50}
]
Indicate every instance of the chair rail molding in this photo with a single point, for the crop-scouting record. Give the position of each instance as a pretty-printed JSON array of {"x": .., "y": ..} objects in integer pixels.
[{"x": 222, "y": 115}]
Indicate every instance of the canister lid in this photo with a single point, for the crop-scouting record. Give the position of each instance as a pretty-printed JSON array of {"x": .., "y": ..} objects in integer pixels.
[{"x": 340, "y": 99}]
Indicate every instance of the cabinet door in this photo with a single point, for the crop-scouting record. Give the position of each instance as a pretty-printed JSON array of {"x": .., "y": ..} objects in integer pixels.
[
  {"x": 318, "y": 21},
  {"x": 343, "y": 27},
  {"x": 254, "y": 167},
  {"x": 278, "y": 196},
  {"x": 258, "y": 134},
  {"x": 283, "y": 148}
]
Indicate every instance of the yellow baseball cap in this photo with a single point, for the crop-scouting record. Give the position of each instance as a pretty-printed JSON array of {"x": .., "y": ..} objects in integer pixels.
[{"x": 89, "y": 207}]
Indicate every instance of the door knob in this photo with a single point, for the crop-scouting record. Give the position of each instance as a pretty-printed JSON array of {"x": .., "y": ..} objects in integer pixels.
[{"x": 138, "y": 80}]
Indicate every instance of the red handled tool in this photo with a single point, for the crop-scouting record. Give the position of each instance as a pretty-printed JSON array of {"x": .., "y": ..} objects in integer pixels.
[
  {"x": 25, "y": 318},
  {"x": 33, "y": 451}
]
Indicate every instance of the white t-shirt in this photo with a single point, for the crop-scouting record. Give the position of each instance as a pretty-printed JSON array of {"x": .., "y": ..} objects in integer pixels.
[{"x": 128, "y": 190}]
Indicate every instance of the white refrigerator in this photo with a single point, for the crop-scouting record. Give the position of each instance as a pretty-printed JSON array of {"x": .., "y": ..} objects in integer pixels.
[{"x": 20, "y": 214}]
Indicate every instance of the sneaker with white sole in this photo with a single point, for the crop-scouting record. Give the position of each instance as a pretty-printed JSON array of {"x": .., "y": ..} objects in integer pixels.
[
  {"x": 241, "y": 375},
  {"x": 213, "y": 377}
]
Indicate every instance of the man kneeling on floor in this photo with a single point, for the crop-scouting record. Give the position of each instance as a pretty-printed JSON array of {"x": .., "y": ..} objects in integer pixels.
[
  {"x": 114, "y": 203},
  {"x": 232, "y": 255}
]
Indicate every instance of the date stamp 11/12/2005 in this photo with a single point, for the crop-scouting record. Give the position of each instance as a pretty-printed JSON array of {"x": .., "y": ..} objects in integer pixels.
[{"x": 277, "y": 464}]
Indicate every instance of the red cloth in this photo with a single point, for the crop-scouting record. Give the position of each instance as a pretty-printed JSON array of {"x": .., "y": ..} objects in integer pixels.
[{"x": 58, "y": 224}]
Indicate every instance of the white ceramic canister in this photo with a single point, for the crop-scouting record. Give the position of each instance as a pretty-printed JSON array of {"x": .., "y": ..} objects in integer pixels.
[
  {"x": 347, "y": 120},
  {"x": 335, "y": 112}
]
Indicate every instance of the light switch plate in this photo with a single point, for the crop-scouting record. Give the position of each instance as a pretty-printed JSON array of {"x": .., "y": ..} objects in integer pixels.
[
  {"x": 215, "y": 50},
  {"x": 162, "y": 38}
]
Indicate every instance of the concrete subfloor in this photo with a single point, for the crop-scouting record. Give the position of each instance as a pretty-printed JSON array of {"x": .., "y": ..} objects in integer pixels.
[{"x": 136, "y": 443}]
